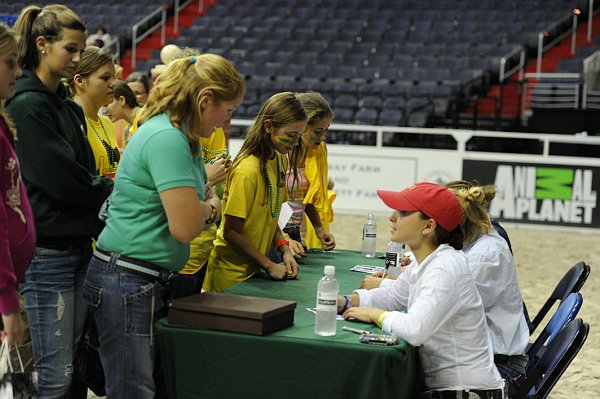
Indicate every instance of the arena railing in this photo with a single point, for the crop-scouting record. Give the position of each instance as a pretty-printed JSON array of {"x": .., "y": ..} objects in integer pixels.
[
  {"x": 136, "y": 37},
  {"x": 557, "y": 27}
]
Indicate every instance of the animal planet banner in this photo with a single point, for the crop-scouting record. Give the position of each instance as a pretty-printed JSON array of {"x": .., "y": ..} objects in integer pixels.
[{"x": 564, "y": 195}]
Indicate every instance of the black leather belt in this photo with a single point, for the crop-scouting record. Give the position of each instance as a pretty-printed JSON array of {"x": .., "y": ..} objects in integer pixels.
[
  {"x": 136, "y": 266},
  {"x": 465, "y": 394}
]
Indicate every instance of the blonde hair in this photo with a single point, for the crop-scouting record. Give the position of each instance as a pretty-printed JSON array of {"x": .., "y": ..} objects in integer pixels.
[
  {"x": 281, "y": 109},
  {"x": 8, "y": 38},
  {"x": 92, "y": 59},
  {"x": 178, "y": 90},
  {"x": 475, "y": 201},
  {"x": 49, "y": 22}
]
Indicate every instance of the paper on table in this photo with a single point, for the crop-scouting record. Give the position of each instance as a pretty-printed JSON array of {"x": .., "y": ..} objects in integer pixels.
[
  {"x": 366, "y": 268},
  {"x": 284, "y": 215}
]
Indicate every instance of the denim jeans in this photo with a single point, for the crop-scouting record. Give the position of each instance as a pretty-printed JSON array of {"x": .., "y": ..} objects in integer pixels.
[
  {"x": 125, "y": 306},
  {"x": 512, "y": 369},
  {"x": 56, "y": 312}
]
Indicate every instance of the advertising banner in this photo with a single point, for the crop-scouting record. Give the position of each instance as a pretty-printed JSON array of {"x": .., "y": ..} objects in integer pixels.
[{"x": 564, "y": 195}]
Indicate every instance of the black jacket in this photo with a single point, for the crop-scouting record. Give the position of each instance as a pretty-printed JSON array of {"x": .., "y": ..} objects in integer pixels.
[{"x": 57, "y": 163}]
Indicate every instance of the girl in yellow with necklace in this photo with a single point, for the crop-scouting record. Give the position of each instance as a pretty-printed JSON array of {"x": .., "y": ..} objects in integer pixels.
[
  {"x": 92, "y": 87},
  {"x": 255, "y": 189}
]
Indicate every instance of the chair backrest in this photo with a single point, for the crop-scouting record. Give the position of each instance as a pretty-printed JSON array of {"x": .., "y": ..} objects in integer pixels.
[
  {"x": 566, "y": 312},
  {"x": 558, "y": 356},
  {"x": 572, "y": 281}
]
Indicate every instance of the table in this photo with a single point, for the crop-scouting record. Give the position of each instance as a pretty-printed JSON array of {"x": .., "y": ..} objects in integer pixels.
[{"x": 293, "y": 362}]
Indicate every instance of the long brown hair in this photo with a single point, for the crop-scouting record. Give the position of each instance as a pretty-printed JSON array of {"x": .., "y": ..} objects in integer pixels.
[
  {"x": 92, "y": 59},
  {"x": 281, "y": 109},
  {"x": 49, "y": 22},
  {"x": 8, "y": 38},
  {"x": 179, "y": 89},
  {"x": 317, "y": 109}
]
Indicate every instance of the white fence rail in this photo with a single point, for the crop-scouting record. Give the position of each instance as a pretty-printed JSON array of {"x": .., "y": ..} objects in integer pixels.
[{"x": 545, "y": 186}]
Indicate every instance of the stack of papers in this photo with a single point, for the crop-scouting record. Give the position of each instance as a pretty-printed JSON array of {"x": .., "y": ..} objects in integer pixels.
[{"x": 366, "y": 268}]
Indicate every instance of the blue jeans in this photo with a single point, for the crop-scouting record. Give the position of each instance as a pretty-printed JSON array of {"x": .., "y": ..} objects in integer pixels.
[
  {"x": 125, "y": 306},
  {"x": 56, "y": 312},
  {"x": 513, "y": 369}
]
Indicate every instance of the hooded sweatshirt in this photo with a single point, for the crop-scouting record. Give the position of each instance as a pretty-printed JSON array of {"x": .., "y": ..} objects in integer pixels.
[
  {"x": 57, "y": 164},
  {"x": 17, "y": 233}
]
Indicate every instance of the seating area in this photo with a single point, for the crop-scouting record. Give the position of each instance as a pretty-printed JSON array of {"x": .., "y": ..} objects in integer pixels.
[
  {"x": 117, "y": 17},
  {"x": 400, "y": 61}
]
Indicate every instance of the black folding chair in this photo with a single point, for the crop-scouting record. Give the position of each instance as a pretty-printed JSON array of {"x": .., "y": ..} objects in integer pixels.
[
  {"x": 572, "y": 281},
  {"x": 557, "y": 357}
]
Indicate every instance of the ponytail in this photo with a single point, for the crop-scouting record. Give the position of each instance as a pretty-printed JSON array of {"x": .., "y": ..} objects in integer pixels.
[{"x": 48, "y": 22}]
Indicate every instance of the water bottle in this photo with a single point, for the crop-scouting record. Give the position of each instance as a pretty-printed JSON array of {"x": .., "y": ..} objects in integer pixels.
[
  {"x": 327, "y": 295},
  {"x": 369, "y": 247},
  {"x": 393, "y": 258}
]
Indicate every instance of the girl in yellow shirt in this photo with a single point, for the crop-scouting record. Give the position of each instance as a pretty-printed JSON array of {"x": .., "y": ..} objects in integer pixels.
[
  {"x": 92, "y": 87},
  {"x": 255, "y": 189}
]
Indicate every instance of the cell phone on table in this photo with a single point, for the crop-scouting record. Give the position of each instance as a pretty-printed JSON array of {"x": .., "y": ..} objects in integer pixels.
[{"x": 378, "y": 339}]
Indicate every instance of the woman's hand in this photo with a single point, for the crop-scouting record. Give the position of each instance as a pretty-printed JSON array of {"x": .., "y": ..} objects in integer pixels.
[
  {"x": 14, "y": 329},
  {"x": 326, "y": 238},
  {"x": 328, "y": 241},
  {"x": 296, "y": 249},
  {"x": 370, "y": 282},
  {"x": 217, "y": 171},
  {"x": 291, "y": 266},
  {"x": 364, "y": 314}
]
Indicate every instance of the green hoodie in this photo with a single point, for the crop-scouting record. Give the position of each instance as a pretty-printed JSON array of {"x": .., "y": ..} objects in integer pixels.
[{"x": 57, "y": 164}]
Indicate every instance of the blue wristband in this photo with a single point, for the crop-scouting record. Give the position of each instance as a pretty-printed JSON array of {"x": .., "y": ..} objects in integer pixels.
[{"x": 347, "y": 305}]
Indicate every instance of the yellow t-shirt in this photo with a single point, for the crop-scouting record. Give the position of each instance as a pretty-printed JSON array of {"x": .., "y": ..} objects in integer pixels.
[
  {"x": 245, "y": 198},
  {"x": 201, "y": 246},
  {"x": 103, "y": 141},
  {"x": 135, "y": 125},
  {"x": 317, "y": 174}
]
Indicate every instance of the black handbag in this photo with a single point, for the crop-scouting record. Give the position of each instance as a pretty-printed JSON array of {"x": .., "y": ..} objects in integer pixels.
[{"x": 88, "y": 368}]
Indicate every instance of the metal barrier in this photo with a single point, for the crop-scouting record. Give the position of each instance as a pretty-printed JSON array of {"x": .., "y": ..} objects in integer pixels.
[
  {"x": 135, "y": 39},
  {"x": 546, "y": 33},
  {"x": 116, "y": 43}
]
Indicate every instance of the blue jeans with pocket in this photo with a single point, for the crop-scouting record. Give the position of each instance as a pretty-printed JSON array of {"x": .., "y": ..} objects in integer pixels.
[
  {"x": 125, "y": 306},
  {"x": 56, "y": 312}
]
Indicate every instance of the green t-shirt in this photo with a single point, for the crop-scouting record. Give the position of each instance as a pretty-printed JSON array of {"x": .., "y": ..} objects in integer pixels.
[{"x": 156, "y": 159}]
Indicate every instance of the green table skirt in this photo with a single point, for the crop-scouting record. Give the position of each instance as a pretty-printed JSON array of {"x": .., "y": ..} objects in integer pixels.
[{"x": 293, "y": 362}]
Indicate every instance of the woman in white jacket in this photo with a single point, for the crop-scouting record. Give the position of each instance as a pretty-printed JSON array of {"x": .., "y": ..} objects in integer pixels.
[
  {"x": 445, "y": 314},
  {"x": 493, "y": 267}
]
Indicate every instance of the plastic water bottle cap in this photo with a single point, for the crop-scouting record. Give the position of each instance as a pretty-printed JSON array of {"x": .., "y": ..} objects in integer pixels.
[{"x": 329, "y": 270}]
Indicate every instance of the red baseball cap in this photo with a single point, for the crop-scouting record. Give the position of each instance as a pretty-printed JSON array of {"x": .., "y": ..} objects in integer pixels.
[{"x": 437, "y": 202}]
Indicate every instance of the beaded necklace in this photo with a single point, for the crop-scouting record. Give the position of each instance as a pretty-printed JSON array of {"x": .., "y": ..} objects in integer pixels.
[
  {"x": 273, "y": 211},
  {"x": 106, "y": 144},
  {"x": 223, "y": 154}
]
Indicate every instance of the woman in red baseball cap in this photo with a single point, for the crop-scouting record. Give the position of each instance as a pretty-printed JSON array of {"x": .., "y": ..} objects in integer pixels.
[{"x": 445, "y": 315}]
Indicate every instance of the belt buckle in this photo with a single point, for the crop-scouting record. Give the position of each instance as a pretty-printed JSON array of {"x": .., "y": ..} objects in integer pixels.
[{"x": 166, "y": 275}]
